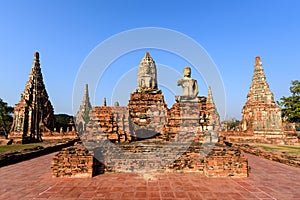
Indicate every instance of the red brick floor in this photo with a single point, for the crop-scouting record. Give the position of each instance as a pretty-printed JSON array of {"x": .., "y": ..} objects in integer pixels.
[{"x": 32, "y": 180}]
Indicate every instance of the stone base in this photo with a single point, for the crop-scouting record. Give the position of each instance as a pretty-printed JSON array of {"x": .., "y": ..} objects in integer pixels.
[
  {"x": 184, "y": 99},
  {"x": 212, "y": 160},
  {"x": 186, "y": 115},
  {"x": 148, "y": 111},
  {"x": 250, "y": 137}
]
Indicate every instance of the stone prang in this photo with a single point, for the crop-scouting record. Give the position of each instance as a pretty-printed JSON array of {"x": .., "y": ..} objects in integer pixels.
[
  {"x": 147, "y": 75},
  {"x": 34, "y": 114},
  {"x": 82, "y": 115},
  {"x": 260, "y": 113}
]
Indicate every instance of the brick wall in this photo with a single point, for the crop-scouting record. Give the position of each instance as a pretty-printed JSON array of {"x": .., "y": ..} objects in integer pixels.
[
  {"x": 75, "y": 161},
  {"x": 218, "y": 160}
]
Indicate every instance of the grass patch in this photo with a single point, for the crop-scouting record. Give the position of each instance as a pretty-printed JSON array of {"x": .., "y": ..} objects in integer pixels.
[
  {"x": 14, "y": 147},
  {"x": 293, "y": 150}
]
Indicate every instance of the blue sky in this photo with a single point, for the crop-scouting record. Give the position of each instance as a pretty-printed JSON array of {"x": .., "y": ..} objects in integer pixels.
[{"x": 65, "y": 32}]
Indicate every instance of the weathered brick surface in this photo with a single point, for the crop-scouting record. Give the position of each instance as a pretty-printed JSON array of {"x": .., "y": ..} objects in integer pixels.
[
  {"x": 112, "y": 122},
  {"x": 75, "y": 161},
  {"x": 34, "y": 114},
  {"x": 148, "y": 112},
  {"x": 213, "y": 115},
  {"x": 224, "y": 161},
  {"x": 260, "y": 113},
  {"x": 81, "y": 117},
  {"x": 153, "y": 155},
  {"x": 156, "y": 155},
  {"x": 184, "y": 115}
]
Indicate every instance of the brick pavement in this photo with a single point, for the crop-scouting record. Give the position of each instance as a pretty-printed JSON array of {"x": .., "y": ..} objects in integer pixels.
[{"x": 32, "y": 180}]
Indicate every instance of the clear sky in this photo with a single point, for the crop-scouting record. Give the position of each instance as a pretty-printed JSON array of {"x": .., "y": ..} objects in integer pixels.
[{"x": 65, "y": 32}]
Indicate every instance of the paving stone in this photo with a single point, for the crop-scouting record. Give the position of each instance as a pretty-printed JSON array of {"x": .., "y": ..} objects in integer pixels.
[{"x": 267, "y": 180}]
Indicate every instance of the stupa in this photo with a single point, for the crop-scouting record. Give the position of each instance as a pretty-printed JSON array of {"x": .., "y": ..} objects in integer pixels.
[{"x": 34, "y": 114}]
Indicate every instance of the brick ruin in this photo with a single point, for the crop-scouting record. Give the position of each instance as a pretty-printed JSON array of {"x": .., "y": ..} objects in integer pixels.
[
  {"x": 34, "y": 115},
  {"x": 141, "y": 136},
  {"x": 213, "y": 115},
  {"x": 260, "y": 113},
  {"x": 261, "y": 116},
  {"x": 75, "y": 161},
  {"x": 148, "y": 113},
  {"x": 82, "y": 115},
  {"x": 152, "y": 155}
]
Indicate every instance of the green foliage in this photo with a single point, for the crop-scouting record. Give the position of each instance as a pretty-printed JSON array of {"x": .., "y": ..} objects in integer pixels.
[
  {"x": 231, "y": 124},
  {"x": 6, "y": 118},
  {"x": 86, "y": 116},
  {"x": 293, "y": 150},
  {"x": 18, "y": 147},
  {"x": 291, "y": 105},
  {"x": 62, "y": 120}
]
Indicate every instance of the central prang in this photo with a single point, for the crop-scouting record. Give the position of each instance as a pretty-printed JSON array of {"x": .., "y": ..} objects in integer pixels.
[
  {"x": 147, "y": 76},
  {"x": 149, "y": 136}
]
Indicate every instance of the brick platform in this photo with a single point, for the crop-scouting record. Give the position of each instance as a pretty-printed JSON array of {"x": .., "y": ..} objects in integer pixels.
[
  {"x": 32, "y": 180},
  {"x": 153, "y": 155}
]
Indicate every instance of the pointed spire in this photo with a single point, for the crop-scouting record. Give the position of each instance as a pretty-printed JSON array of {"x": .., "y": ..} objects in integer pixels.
[
  {"x": 257, "y": 61},
  {"x": 34, "y": 98},
  {"x": 86, "y": 104},
  {"x": 104, "y": 102},
  {"x": 210, "y": 96},
  {"x": 147, "y": 75},
  {"x": 37, "y": 57},
  {"x": 147, "y": 58},
  {"x": 36, "y": 62},
  {"x": 86, "y": 93},
  {"x": 260, "y": 112},
  {"x": 214, "y": 117},
  {"x": 259, "y": 89}
]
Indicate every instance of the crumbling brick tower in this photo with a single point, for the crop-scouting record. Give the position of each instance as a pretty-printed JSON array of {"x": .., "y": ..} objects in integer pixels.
[
  {"x": 260, "y": 114},
  {"x": 82, "y": 117},
  {"x": 34, "y": 114},
  {"x": 147, "y": 107}
]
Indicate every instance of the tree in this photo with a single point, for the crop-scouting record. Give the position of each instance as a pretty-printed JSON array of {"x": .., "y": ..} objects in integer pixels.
[
  {"x": 231, "y": 124},
  {"x": 62, "y": 121},
  {"x": 86, "y": 116},
  {"x": 6, "y": 117},
  {"x": 291, "y": 105}
]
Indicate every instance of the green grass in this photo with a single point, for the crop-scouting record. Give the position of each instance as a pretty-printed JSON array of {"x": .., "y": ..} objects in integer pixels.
[
  {"x": 13, "y": 147},
  {"x": 293, "y": 150}
]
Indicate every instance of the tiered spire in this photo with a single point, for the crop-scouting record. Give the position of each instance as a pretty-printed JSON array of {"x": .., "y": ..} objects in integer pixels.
[
  {"x": 260, "y": 112},
  {"x": 147, "y": 58},
  {"x": 214, "y": 118},
  {"x": 86, "y": 104},
  {"x": 82, "y": 116},
  {"x": 147, "y": 75},
  {"x": 259, "y": 89},
  {"x": 210, "y": 96},
  {"x": 34, "y": 113}
]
